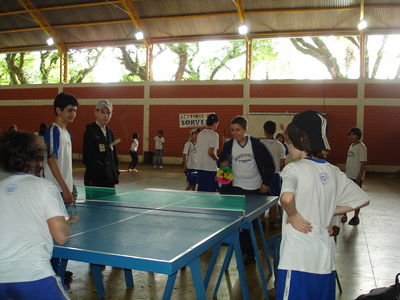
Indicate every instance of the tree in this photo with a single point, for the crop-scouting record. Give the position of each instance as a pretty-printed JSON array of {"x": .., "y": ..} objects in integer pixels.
[
  {"x": 232, "y": 50},
  {"x": 263, "y": 51},
  {"x": 136, "y": 68},
  {"x": 186, "y": 53},
  {"x": 15, "y": 67},
  {"x": 79, "y": 71},
  {"x": 320, "y": 51},
  {"x": 48, "y": 61}
]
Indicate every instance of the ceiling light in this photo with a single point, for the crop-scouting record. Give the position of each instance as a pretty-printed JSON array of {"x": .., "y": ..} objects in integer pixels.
[
  {"x": 139, "y": 35},
  {"x": 50, "y": 41},
  {"x": 243, "y": 29},
  {"x": 362, "y": 25}
]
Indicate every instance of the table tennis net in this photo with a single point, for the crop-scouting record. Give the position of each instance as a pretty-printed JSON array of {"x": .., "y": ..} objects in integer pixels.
[{"x": 162, "y": 199}]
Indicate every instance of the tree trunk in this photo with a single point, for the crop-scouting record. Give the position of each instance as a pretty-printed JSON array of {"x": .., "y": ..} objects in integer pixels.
[
  {"x": 379, "y": 56},
  {"x": 15, "y": 68}
]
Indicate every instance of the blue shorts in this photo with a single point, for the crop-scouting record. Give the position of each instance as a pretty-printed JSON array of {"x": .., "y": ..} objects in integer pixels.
[
  {"x": 296, "y": 285},
  {"x": 191, "y": 176},
  {"x": 206, "y": 181},
  {"x": 48, "y": 288}
]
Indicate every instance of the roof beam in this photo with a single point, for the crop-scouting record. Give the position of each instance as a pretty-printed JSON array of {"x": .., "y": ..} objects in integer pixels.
[
  {"x": 41, "y": 20},
  {"x": 131, "y": 11}
]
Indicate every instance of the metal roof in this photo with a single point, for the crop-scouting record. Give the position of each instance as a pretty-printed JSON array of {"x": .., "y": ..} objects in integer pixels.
[{"x": 26, "y": 24}]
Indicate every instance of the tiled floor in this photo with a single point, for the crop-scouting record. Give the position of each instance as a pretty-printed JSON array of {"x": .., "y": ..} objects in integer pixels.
[{"x": 368, "y": 255}]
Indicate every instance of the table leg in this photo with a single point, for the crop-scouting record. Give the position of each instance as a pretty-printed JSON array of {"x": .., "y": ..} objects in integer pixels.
[
  {"x": 128, "y": 278},
  {"x": 225, "y": 265},
  {"x": 169, "y": 287},
  {"x": 240, "y": 265},
  {"x": 258, "y": 260},
  {"x": 98, "y": 279},
  {"x": 264, "y": 245},
  {"x": 197, "y": 280},
  {"x": 211, "y": 265}
]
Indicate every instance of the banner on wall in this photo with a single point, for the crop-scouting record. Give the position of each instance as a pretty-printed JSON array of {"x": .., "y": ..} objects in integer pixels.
[{"x": 193, "y": 120}]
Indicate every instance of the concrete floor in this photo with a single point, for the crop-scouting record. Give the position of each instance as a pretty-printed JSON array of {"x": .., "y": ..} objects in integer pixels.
[{"x": 368, "y": 255}]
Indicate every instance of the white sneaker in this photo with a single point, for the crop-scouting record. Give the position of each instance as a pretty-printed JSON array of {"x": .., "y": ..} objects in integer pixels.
[{"x": 160, "y": 167}]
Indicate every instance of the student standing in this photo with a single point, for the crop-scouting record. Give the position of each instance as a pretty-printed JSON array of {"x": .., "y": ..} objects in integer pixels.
[
  {"x": 355, "y": 165},
  {"x": 190, "y": 159},
  {"x": 277, "y": 151},
  {"x": 253, "y": 170},
  {"x": 32, "y": 216},
  {"x": 313, "y": 191},
  {"x": 99, "y": 151},
  {"x": 207, "y": 146},
  {"x": 159, "y": 146},
  {"x": 58, "y": 168},
  {"x": 133, "y": 153}
]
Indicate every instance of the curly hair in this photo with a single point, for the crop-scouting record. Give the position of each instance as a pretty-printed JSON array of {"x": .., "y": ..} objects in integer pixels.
[{"x": 21, "y": 152}]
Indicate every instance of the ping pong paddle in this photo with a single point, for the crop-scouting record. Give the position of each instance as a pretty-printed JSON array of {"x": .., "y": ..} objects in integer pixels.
[
  {"x": 224, "y": 175},
  {"x": 115, "y": 142}
]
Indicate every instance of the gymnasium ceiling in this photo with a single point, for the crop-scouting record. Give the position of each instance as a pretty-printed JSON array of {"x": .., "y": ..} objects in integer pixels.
[{"x": 26, "y": 24}]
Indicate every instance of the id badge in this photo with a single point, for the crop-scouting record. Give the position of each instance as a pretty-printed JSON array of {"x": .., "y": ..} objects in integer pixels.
[{"x": 102, "y": 148}]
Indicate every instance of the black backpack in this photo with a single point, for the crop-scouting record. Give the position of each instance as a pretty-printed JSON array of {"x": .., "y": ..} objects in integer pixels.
[{"x": 385, "y": 293}]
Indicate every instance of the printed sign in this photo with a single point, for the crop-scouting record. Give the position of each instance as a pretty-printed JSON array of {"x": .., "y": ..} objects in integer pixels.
[{"x": 193, "y": 120}]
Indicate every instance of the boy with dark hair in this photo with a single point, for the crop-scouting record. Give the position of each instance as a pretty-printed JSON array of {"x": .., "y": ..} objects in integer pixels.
[
  {"x": 253, "y": 169},
  {"x": 58, "y": 168},
  {"x": 277, "y": 152},
  {"x": 356, "y": 163},
  {"x": 207, "y": 147},
  {"x": 313, "y": 191},
  {"x": 159, "y": 141},
  {"x": 33, "y": 215}
]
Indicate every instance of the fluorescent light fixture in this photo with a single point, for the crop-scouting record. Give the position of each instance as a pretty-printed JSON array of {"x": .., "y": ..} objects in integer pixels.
[
  {"x": 50, "y": 41},
  {"x": 243, "y": 29},
  {"x": 139, "y": 35},
  {"x": 362, "y": 25}
]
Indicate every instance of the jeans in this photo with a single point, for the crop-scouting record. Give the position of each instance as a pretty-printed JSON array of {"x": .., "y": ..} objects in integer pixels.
[{"x": 159, "y": 156}]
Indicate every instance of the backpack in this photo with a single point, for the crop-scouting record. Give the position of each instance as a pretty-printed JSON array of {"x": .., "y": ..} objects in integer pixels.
[{"x": 385, "y": 293}]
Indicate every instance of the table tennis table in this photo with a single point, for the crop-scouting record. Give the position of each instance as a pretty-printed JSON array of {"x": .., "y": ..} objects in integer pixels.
[{"x": 118, "y": 229}]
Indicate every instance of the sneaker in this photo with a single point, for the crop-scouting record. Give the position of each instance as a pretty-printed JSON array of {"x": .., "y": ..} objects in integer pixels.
[
  {"x": 129, "y": 170},
  {"x": 160, "y": 167},
  {"x": 354, "y": 221},
  {"x": 135, "y": 170}
]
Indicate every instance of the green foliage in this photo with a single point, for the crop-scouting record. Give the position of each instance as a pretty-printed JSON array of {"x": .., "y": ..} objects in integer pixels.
[{"x": 81, "y": 64}]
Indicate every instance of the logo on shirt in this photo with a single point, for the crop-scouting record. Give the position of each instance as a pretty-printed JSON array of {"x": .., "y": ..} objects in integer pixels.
[
  {"x": 350, "y": 154},
  {"x": 244, "y": 158},
  {"x": 11, "y": 188},
  {"x": 324, "y": 178}
]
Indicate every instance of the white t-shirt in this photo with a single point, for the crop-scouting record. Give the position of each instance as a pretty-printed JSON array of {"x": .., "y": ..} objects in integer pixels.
[
  {"x": 26, "y": 245},
  {"x": 134, "y": 145},
  {"x": 318, "y": 188},
  {"x": 357, "y": 153},
  {"x": 191, "y": 154},
  {"x": 244, "y": 167},
  {"x": 206, "y": 139},
  {"x": 159, "y": 142},
  {"x": 58, "y": 142},
  {"x": 277, "y": 151}
]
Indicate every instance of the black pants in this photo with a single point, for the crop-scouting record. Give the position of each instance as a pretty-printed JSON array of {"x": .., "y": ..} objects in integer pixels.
[
  {"x": 134, "y": 158},
  {"x": 244, "y": 235}
]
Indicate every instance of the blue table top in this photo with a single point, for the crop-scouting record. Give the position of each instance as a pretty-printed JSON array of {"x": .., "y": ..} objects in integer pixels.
[{"x": 159, "y": 241}]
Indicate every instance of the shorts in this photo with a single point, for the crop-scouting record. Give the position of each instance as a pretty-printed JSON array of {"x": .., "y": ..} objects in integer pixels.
[
  {"x": 276, "y": 186},
  {"x": 48, "y": 288},
  {"x": 206, "y": 181},
  {"x": 191, "y": 176},
  {"x": 296, "y": 285}
]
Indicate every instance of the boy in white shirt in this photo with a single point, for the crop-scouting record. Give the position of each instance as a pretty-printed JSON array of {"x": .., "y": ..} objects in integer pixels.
[
  {"x": 313, "y": 191},
  {"x": 355, "y": 165},
  {"x": 33, "y": 215},
  {"x": 58, "y": 167},
  {"x": 277, "y": 152},
  {"x": 207, "y": 147},
  {"x": 159, "y": 146},
  {"x": 190, "y": 159}
]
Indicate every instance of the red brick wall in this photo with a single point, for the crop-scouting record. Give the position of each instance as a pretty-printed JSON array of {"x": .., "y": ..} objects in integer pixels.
[
  {"x": 340, "y": 120},
  {"x": 166, "y": 118},
  {"x": 382, "y": 134}
]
